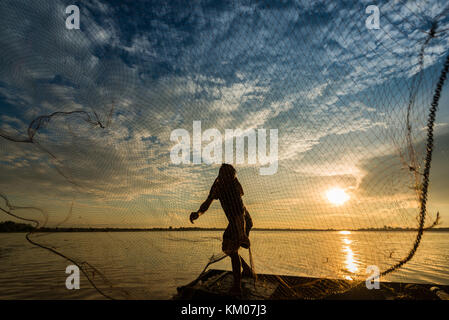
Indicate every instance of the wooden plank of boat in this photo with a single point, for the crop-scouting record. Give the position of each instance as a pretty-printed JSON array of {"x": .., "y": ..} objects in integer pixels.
[{"x": 215, "y": 284}]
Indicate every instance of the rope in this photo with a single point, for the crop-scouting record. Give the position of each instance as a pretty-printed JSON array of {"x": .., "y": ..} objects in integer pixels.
[
  {"x": 36, "y": 227},
  {"x": 413, "y": 91},
  {"x": 426, "y": 173}
]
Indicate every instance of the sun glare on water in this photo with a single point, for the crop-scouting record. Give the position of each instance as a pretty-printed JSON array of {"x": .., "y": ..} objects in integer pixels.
[{"x": 337, "y": 196}]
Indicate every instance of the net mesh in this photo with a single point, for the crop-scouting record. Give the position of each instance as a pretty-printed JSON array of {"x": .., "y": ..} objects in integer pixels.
[{"x": 87, "y": 117}]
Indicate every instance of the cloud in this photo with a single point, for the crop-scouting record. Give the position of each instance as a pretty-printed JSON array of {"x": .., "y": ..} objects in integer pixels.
[{"x": 335, "y": 90}]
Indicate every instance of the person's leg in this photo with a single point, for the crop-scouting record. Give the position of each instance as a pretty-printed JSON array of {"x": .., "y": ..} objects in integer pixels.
[
  {"x": 235, "y": 260},
  {"x": 246, "y": 269}
]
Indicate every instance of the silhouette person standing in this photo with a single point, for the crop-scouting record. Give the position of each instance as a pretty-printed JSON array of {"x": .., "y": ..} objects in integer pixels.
[{"x": 228, "y": 190}]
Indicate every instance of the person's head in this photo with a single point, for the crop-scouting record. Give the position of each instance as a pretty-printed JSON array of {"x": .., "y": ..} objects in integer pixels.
[{"x": 227, "y": 172}]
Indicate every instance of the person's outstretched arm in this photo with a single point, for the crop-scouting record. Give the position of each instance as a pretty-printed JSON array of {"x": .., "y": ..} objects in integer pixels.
[{"x": 205, "y": 205}]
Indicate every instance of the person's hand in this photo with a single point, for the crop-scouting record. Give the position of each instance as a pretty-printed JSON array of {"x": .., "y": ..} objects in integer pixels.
[{"x": 194, "y": 216}]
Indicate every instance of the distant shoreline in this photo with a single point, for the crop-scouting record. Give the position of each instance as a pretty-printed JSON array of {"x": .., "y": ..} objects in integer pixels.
[{"x": 12, "y": 227}]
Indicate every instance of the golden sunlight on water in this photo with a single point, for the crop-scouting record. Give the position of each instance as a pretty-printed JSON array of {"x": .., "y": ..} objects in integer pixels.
[{"x": 350, "y": 261}]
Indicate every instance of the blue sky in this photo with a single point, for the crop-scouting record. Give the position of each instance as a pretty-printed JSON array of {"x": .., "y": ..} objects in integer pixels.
[{"x": 336, "y": 91}]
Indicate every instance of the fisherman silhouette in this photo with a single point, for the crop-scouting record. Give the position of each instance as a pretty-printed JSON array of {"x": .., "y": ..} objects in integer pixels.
[{"x": 228, "y": 190}]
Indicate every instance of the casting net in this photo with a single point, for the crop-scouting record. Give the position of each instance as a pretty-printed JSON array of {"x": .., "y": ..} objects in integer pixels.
[{"x": 87, "y": 117}]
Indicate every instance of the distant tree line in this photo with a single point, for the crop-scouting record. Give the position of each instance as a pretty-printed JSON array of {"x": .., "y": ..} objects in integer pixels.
[{"x": 10, "y": 226}]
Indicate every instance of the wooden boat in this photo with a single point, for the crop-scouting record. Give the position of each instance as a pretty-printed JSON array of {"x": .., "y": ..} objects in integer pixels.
[{"x": 215, "y": 284}]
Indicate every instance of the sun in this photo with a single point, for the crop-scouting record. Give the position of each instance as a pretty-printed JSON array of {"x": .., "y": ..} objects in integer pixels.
[{"x": 337, "y": 196}]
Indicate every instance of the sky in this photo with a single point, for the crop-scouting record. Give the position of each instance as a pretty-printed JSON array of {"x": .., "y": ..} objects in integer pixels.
[{"x": 336, "y": 91}]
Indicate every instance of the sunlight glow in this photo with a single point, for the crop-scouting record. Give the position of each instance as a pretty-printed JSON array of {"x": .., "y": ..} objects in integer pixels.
[
  {"x": 350, "y": 262},
  {"x": 337, "y": 196}
]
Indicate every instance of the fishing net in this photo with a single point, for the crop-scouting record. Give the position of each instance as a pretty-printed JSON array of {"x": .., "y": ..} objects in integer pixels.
[{"x": 87, "y": 117}]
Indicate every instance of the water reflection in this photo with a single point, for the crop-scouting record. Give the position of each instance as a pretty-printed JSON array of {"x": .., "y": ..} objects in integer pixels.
[
  {"x": 350, "y": 262},
  {"x": 163, "y": 265}
]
